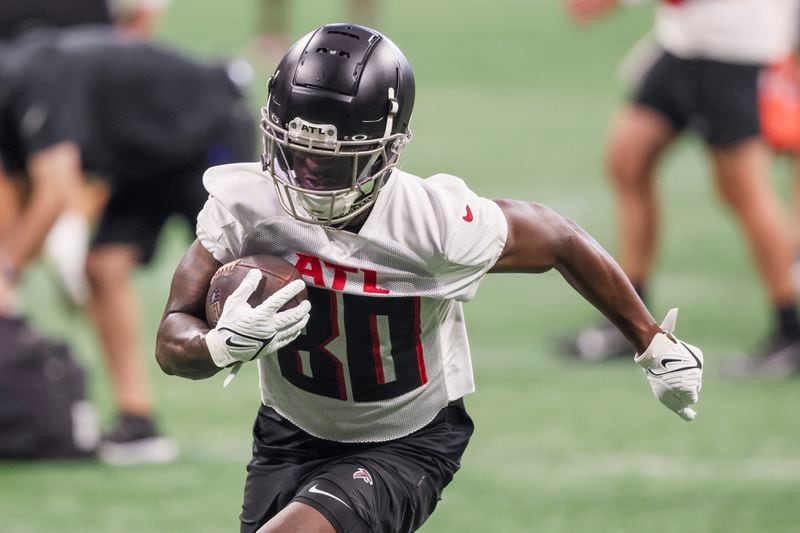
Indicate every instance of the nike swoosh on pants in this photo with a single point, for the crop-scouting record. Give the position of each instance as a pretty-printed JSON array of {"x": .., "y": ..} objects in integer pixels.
[{"x": 315, "y": 490}]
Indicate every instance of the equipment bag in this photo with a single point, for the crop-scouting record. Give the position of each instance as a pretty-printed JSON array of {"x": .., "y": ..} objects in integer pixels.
[{"x": 43, "y": 408}]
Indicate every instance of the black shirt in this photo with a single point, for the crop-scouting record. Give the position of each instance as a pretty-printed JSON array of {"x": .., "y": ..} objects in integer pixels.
[
  {"x": 18, "y": 16},
  {"x": 132, "y": 107}
]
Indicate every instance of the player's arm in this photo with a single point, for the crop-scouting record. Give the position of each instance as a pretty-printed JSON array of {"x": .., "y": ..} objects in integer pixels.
[
  {"x": 181, "y": 348},
  {"x": 186, "y": 347},
  {"x": 539, "y": 239},
  {"x": 55, "y": 173}
]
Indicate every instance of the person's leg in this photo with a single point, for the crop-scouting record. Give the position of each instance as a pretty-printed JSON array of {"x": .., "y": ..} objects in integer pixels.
[
  {"x": 115, "y": 313},
  {"x": 296, "y": 482},
  {"x": 363, "y": 12},
  {"x": 113, "y": 306},
  {"x": 741, "y": 163},
  {"x": 272, "y": 33},
  {"x": 126, "y": 237},
  {"x": 273, "y": 17},
  {"x": 795, "y": 162},
  {"x": 795, "y": 218},
  {"x": 285, "y": 458},
  {"x": 743, "y": 182},
  {"x": 298, "y": 517},
  {"x": 639, "y": 137},
  {"x": 641, "y": 133}
]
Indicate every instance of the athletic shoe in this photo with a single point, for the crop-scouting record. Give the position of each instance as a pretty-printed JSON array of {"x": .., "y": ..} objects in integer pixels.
[
  {"x": 779, "y": 358},
  {"x": 135, "y": 440},
  {"x": 597, "y": 343}
]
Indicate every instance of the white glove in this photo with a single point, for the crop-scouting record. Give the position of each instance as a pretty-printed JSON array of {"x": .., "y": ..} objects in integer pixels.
[
  {"x": 244, "y": 332},
  {"x": 674, "y": 369}
]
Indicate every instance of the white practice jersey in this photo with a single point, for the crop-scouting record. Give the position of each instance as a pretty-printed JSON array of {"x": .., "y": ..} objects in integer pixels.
[
  {"x": 735, "y": 31},
  {"x": 386, "y": 347}
]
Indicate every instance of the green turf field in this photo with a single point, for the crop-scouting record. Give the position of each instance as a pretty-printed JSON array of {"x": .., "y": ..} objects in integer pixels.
[{"x": 516, "y": 101}]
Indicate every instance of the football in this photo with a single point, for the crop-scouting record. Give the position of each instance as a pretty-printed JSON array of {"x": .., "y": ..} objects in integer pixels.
[{"x": 275, "y": 273}]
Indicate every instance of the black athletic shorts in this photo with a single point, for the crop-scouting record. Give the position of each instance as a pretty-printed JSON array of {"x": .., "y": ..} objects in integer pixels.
[
  {"x": 718, "y": 100},
  {"x": 140, "y": 204},
  {"x": 389, "y": 487}
]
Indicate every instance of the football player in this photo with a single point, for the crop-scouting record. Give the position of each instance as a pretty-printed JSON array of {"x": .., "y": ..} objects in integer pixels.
[
  {"x": 362, "y": 422},
  {"x": 703, "y": 75},
  {"x": 94, "y": 101}
]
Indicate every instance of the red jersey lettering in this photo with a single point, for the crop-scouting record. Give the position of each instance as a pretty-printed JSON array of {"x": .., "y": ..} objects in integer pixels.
[
  {"x": 310, "y": 266},
  {"x": 319, "y": 271},
  {"x": 340, "y": 275},
  {"x": 371, "y": 283}
]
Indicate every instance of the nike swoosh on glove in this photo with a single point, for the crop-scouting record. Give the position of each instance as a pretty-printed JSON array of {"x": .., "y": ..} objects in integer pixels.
[
  {"x": 244, "y": 332},
  {"x": 674, "y": 369}
]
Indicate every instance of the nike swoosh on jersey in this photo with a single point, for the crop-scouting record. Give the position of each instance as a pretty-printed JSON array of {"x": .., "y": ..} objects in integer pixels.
[
  {"x": 315, "y": 490},
  {"x": 468, "y": 217}
]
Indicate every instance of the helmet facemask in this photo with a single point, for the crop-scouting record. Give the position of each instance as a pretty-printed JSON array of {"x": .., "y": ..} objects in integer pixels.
[
  {"x": 336, "y": 122},
  {"x": 321, "y": 179}
]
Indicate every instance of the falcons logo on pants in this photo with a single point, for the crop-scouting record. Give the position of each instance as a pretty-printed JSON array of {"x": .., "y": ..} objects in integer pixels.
[{"x": 363, "y": 474}]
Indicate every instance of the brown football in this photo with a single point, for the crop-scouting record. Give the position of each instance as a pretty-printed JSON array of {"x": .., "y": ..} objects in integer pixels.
[{"x": 275, "y": 271}]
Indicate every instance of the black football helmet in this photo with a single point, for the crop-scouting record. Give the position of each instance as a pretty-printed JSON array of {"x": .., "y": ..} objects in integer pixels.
[{"x": 336, "y": 121}]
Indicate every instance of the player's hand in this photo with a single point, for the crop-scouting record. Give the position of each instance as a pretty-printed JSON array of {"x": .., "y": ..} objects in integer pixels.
[
  {"x": 674, "y": 369},
  {"x": 586, "y": 11},
  {"x": 244, "y": 332}
]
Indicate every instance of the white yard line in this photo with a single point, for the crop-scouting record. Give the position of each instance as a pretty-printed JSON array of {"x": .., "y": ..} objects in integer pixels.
[
  {"x": 667, "y": 467},
  {"x": 561, "y": 471}
]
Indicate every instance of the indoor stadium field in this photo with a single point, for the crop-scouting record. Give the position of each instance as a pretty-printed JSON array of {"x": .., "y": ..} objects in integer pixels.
[{"x": 515, "y": 100}]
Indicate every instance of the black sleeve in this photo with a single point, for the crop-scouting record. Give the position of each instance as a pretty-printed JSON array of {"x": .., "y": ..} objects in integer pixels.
[
  {"x": 52, "y": 108},
  {"x": 17, "y": 16}
]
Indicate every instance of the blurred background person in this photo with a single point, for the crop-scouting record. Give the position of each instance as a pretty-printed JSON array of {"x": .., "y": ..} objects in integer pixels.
[
  {"x": 137, "y": 17},
  {"x": 779, "y": 103},
  {"x": 146, "y": 120},
  {"x": 19, "y": 16},
  {"x": 67, "y": 244},
  {"x": 141, "y": 18},
  {"x": 273, "y": 26},
  {"x": 735, "y": 471},
  {"x": 703, "y": 76}
]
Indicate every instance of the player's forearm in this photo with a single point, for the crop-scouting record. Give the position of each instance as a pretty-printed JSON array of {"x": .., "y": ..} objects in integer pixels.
[
  {"x": 181, "y": 348},
  {"x": 53, "y": 172},
  {"x": 596, "y": 276},
  {"x": 539, "y": 239},
  {"x": 26, "y": 238}
]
